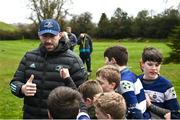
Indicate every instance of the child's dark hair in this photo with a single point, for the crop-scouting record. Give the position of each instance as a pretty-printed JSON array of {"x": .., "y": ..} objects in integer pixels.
[
  {"x": 64, "y": 103},
  {"x": 152, "y": 54},
  {"x": 119, "y": 53}
]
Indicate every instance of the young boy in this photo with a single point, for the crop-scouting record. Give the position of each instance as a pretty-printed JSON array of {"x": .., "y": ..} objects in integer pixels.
[
  {"x": 64, "y": 103},
  {"x": 130, "y": 87},
  {"x": 110, "y": 105},
  {"x": 88, "y": 90},
  {"x": 108, "y": 77},
  {"x": 159, "y": 89},
  {"x": 65, "y": 75}
]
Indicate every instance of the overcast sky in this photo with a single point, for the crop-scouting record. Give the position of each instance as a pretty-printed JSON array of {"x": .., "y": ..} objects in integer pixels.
[{"x": 15, "y": 11}]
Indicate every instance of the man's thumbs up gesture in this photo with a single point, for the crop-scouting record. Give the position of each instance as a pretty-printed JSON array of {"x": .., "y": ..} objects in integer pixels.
[{"x": 29, "y": 89}]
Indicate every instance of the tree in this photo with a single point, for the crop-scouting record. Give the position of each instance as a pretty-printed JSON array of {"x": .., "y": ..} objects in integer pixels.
[
  {"x": 140, "y": 24},
  {"x": 174, "y": 38},
  {"x": 44, "y": 9},
  {"x": 174, "y": 44},
  {"x": 83, "y": 23},
  {"x": 103, "y": 27},
  {"x": 120, "y": 24}
]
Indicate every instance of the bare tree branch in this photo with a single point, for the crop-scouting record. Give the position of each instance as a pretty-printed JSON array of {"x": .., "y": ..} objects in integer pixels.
[{"x": 44, "y": 9}]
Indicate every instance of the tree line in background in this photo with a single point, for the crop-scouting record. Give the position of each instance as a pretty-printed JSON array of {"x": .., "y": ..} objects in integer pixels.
[{"x": 119, "y": 26}]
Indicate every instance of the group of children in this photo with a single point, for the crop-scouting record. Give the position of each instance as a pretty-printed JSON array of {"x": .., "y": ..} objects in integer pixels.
[{"x": 117, "y": 93}]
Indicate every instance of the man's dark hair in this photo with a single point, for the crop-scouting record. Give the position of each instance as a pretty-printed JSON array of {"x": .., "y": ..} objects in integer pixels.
[
  {"x": 64, "y": 103},
  {"x": 119, "y": 53},
  {"x": 152, "y": 54}
]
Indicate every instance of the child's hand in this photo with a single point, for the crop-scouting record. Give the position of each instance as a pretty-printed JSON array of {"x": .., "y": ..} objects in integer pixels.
[
  {"x": 148, "y": 100},
  {"x": 64, "y": 73},
  {"x": 167, "y": 116}
]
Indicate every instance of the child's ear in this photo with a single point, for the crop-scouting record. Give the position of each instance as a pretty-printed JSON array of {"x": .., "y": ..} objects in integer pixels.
[
  {"x": 113, "y": 61},
  {"x": 88, "y": 102},
  {"x": 113, "y": 85},
  {"x": 109, "y": 117},
  {"x": 140, "y": 65}
]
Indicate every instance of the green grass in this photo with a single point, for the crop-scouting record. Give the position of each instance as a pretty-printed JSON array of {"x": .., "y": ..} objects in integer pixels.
[{"x": 11, "y": 53}]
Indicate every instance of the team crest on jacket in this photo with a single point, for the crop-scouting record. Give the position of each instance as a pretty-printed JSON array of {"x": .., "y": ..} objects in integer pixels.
[
  {"x": 58, "y": 68},
  {"x": 32, "y": 65}
]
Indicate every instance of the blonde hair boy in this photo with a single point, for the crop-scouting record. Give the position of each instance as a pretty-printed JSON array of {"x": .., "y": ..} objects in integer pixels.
[
  {"x": 108, "y": 76},
  {"x": 110, "y": 105}
]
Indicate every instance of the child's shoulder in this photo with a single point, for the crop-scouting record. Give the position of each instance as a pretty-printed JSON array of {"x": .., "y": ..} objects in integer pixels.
[
  {"x": 127, "y": 72},
  {"x": 129, "y": 76},
  {"x": 164, "y": 80},
  {"x": 140, "y": 76}
]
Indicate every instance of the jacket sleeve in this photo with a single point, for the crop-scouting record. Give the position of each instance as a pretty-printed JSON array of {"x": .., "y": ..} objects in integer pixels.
[
  {"x": 79, "y": 40},
  {"x": 70, "y": 83},
  {"x": 78, "y": 72},
  {"x": 74, "y": 39},
  {"x": 90, "y": 43},
  {"x": 18, "y": 79}
]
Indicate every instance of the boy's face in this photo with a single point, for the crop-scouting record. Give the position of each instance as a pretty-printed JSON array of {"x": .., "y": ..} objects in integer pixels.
[
  {"x": 151, "y": 69},
  {"x": 106, "y": 86}
]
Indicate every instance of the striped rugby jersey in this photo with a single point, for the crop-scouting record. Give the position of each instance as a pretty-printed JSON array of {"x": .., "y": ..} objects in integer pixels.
[
  {"x": 132, "y": 90},
  {"x": 161, "y": 92}
]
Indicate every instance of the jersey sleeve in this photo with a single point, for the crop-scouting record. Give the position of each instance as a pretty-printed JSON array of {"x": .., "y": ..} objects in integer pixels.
[
  {"x": 171, "y": 99},
  {"x": 127, "y": 90}
]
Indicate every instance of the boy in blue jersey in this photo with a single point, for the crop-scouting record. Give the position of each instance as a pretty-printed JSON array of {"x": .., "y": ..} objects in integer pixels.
[
  {"x": 130, "y": 87},
  {"x": 159, "y": 89}
]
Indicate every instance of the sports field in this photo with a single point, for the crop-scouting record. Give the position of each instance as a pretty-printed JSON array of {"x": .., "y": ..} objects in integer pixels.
[{"x": 11, "y": 53}]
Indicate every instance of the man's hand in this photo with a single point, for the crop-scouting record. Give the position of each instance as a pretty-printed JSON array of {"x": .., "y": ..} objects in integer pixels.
[{"x": 29, "y": 89}]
